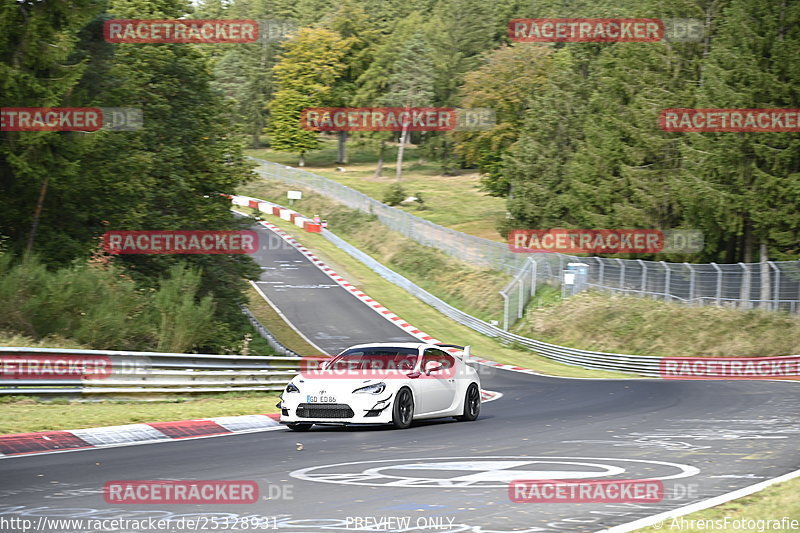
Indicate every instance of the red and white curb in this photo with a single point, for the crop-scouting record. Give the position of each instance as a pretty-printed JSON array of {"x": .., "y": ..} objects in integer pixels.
[
  {"x": 110, "y": 436},
  {"x": 288, "y": 214},
  {"x": 355, "y": 291}
]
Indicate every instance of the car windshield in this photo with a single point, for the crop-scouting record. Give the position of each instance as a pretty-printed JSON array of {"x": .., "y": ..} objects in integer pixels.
[{"x": 383, "y": 358}]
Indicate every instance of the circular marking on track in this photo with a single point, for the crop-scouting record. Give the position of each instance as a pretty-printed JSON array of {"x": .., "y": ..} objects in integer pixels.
[{"x": 487, "y": 472}]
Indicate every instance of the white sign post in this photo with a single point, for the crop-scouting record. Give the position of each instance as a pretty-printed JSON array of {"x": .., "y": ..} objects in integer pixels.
[{"x": 294, "y": 195}]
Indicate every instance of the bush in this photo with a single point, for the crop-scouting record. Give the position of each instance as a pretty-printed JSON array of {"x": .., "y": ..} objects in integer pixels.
[
  {"x": 394, "y": 195},
  {"x": 100, "y": 307},
  {"x": 420, "y": 201}
]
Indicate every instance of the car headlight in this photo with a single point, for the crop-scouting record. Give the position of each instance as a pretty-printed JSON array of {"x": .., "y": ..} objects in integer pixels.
[
  {"x": 291, "y": 387},
  {"x": 376, "y": 388}
]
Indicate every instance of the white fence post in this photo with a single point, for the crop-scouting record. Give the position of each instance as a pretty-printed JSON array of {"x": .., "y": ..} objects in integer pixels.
[
  {"x": 643, "y": 289},
  {"x": 719, "y": 283},
  {"x": 776, "y": 293},
  {"x": 744, "y": 293}
]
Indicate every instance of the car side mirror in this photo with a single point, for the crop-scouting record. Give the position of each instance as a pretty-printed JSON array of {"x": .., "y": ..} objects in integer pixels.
[{"x": 432, "y": 366}]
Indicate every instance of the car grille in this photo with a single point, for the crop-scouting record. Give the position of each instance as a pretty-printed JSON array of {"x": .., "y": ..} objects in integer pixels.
[{"x": 324, "y": 410}]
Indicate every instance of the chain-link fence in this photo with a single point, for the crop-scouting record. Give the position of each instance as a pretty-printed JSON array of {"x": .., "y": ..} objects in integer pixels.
[
  {"x": 772, "y": 285},
  {"x": 468, "y": 248}
]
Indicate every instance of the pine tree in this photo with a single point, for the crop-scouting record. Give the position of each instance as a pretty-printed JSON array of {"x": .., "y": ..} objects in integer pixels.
[
  {"x": 409, "y": 85},
  {"x": 39, "y": 68},
  {"x": 745, "y": 186}
]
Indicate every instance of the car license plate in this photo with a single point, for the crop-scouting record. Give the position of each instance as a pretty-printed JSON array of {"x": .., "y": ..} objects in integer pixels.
[{"x": 322, "y": 398}]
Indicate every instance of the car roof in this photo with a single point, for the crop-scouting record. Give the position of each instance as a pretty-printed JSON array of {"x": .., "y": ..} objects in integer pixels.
[
  {"x": 415, "y": 345},
  {"x": 392, "y": 345}
]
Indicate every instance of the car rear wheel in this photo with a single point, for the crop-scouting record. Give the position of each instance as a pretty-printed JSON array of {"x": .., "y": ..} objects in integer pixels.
[
  {"x": 299, "y": 426},
  {"x": 403, "y": 410},
  {"x": 472, "y": 404}
]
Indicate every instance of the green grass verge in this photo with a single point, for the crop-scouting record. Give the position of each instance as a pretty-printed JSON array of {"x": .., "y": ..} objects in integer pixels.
[
  {"x": 8, "y": 338},
  {"x": 453, "y": 201},
  {"x": 588, "y": 321},
  {"x": 471, "y": 288},
  {"x": 773, "y": 503},
  {"x": 276, "y": 325},
  {"x": 425, "y": 317},
  {"x": 628, "y": 324},
  {"x": 21, "y": 415}
]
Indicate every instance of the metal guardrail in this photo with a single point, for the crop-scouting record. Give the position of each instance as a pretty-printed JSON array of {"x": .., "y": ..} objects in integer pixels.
[
  {"x": 273, "y": 342},
  {"x": 154, "y": 372},
  {"x": 636, "y": 364},
  {"x": 632, "y": 364},
  {"x": 773, "y": 285}
]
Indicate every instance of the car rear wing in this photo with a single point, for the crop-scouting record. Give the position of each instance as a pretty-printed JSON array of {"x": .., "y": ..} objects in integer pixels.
[{"x": 465, "y": 349}]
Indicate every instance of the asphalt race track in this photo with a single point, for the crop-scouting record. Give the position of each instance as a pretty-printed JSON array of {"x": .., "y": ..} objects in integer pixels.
[
  {"x": 701, "y": 438},
  {"x": 323, "y": 311}
]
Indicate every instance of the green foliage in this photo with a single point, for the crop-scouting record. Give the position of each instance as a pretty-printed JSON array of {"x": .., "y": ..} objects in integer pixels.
[
  {"x": 184, "y": 323},
  {"x": 304, "y": 76},
  {"x": 745, "y": 187},
  {"x": 99, "y": 306},
  {"x": 395, "y": 194},
  {"x": 419, "y": 259},
  {"x": 506, "y": 82}
]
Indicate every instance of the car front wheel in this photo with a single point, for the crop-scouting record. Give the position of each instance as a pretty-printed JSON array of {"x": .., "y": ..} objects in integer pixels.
[
  {"x": 472, "y": 404},
  {"x": 403, "y": 410}
]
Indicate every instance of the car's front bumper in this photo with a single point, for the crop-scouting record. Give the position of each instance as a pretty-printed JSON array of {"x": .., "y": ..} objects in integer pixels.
[{"x": 355, "y": 409}]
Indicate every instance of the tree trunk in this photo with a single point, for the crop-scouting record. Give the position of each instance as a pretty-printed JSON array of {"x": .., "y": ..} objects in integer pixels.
[
  {"x": 302, "y": 161},
  {"x": 381, "y": 153},
  {"x": 258, "y": 126},
  {"x": 37, "y": 213},
  {"x": 403, "y": 137},
  {"x": 342, "y": 155}
]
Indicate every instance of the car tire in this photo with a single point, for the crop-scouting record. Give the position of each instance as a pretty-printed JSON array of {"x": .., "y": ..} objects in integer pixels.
[
  {"x": 472, "y": 404},
  {"x": 299, "y": 426},
  {"x": 403, "y": 409}
]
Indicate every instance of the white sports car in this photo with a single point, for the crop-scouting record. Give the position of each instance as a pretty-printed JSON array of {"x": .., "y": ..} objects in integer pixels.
[{"x": 383, "y": 383}]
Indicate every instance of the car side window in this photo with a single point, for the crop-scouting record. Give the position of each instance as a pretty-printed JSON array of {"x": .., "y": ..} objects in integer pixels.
[{"x": 442, "y": 358}]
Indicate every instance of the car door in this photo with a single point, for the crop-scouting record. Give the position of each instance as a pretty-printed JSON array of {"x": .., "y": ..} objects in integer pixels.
[{"x": 438, "y": 388}]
